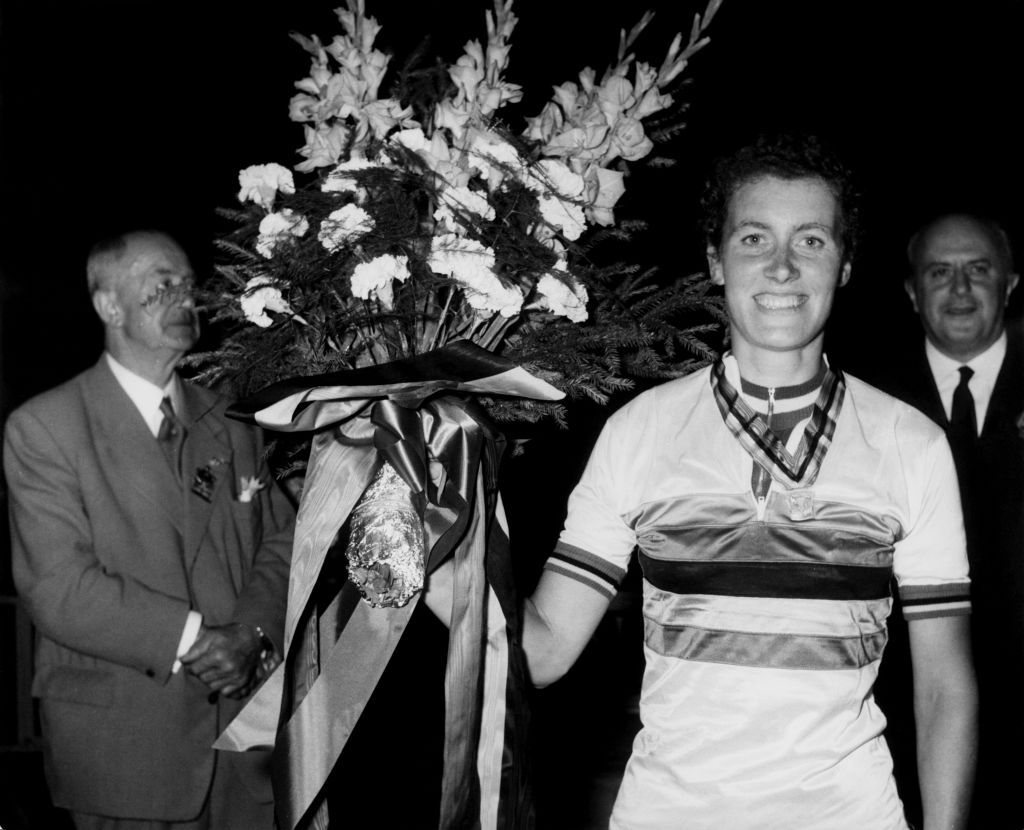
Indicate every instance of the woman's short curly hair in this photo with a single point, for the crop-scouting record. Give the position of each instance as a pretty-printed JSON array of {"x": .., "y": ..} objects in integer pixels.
[{"x": 786, "y": 156}]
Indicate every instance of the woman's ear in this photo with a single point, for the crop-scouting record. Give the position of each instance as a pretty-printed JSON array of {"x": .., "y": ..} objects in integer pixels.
[{"x": 715, "y": 265}]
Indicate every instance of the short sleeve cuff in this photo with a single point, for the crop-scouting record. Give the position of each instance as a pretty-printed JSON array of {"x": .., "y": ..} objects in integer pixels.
[
  {"x": 949, "y": 599},
  {"x": 585, "y": 567}
]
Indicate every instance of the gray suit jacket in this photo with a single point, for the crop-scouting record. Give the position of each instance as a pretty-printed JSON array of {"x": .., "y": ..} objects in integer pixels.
[{"x": 109, "y": 555}]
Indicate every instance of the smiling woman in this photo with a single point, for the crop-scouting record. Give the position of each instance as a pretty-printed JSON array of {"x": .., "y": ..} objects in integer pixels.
[
  {"x": 771, "y": 499},
  {"x": 780, "y": 238},
  {"x": 780, "y": 263}
]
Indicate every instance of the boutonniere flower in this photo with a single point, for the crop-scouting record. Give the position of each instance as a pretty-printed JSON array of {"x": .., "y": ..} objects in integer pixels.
[
  {"x": 248, "y": 487},
  {"x": 205, "y": 478},
  {"x": 1020, "y": 424}
]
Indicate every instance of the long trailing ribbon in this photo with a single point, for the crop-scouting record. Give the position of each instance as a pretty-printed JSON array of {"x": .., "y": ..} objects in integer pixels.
[{"x": 337, "y": 647}]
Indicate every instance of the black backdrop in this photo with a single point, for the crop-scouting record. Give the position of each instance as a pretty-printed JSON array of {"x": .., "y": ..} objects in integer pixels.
[{"x": 136, "y": 112}]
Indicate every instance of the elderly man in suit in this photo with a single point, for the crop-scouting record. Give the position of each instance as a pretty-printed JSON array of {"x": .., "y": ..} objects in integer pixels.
[
  {"x": 151, "y": 550},
  {"x": 968, "y": 376}
]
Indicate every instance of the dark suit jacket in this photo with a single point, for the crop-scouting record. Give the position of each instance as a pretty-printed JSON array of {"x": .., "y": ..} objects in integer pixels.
[
  {"x": 991, "y": 476},
  {"x": 109, "y": 555}
]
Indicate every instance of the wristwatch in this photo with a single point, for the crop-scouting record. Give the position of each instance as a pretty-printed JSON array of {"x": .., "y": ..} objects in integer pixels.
[{"x": 268, "y": 653}]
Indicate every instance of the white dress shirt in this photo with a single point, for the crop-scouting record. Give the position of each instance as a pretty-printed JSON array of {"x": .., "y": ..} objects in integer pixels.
[
  {"x": 147, "y": 398},
  {"x": 986, "y": 365}
]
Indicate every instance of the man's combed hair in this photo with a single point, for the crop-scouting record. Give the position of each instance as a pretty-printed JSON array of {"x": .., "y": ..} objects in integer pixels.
[
  {"x": 997, "y": 233},
  {"x": 107, "y": 252},
  {"x": 97, "y": 263},
  {"x": 787, "y": 156}
]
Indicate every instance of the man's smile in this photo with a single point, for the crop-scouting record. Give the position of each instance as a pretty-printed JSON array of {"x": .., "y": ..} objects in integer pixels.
[{"x": 957, "y": 310}]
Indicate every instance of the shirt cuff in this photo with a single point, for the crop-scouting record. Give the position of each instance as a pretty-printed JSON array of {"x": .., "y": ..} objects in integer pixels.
[{"x": 188, "y": 637}]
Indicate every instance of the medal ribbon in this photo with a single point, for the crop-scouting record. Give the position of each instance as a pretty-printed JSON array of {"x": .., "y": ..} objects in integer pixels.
[{"x": 751, "y": 429}]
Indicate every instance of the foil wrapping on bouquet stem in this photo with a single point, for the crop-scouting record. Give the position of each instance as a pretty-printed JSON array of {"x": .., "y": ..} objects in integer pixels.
[{"x": 385, "y": 546}]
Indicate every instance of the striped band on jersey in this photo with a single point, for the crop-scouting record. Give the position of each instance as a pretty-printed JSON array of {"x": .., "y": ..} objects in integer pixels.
[
  {"x": 585, "y": 567},
  {"x": 778, "y": 650},
  {"x": 922, "y": 602}
]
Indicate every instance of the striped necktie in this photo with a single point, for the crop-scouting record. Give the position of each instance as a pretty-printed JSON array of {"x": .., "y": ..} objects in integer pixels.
[{"x": 171, "y": 436}]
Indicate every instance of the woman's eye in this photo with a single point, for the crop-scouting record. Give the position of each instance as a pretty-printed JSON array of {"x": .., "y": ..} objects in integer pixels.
[{"x": 752, "y": 239}]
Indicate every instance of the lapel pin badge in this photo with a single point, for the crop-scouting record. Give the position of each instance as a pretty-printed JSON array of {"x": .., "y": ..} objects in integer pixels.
[{"x": 205, "y": 479}]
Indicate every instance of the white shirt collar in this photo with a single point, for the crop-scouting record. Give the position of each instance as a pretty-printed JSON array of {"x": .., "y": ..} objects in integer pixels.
[
  {"x": 986, "y": 366},
  {"x": 145, "y": 395}
]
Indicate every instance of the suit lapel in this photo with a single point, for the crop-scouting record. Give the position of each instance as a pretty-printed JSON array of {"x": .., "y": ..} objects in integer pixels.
[
  {"x": 206, "y": 467},
  {"x": 127, "y": 446},
  {"x": 1007, "y": 400}
]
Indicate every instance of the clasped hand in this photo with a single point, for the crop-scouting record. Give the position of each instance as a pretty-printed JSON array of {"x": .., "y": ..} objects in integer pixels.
[{"x": 226, "y": 658}]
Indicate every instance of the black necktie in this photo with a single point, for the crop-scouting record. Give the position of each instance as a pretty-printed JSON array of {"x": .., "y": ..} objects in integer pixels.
[
  {"x": 962, "y": 420},
  {"x": 171, "y": 436}
]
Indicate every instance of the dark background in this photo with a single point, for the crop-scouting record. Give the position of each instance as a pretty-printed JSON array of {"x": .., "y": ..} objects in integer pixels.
[{"x": 137, "y": 113}]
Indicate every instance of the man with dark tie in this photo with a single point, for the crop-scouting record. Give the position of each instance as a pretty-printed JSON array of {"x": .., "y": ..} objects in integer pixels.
[
  {"x": 151, "y": 551},
  {"x": 968, "y": 376}
]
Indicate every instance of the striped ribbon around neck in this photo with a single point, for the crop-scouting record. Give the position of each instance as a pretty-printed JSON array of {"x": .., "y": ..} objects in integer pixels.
[{"x": 751, "y": 429}]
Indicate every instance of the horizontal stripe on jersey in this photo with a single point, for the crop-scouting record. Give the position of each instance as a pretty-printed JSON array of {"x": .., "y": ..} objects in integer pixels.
[
  {"x": 773, "y": 632},
  {"x": 765, "y": 650},
  {"x": 789, "y": 580},
  {"x": 706, "y": 520}
]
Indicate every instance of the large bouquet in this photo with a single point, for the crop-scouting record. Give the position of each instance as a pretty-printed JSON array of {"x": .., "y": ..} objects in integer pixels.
[
  {"x": 422, "y": 218},
  {"x": 429, "y": 257}
]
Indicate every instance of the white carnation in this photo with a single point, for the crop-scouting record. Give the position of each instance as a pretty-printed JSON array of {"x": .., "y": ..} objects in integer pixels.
[
  {"x": 496, "y": 297},
  {"x": 563, "y": 214},
  {"x": 261, "y": 295},
  {"x": 564, "y": 296},
  {"x": 465, "y": 260},
  {"x": 453, "y": 201},
  {"x": 472, "y": 266},
  {"x": 279, "y": 227},
  {"x": 373, "y": 279},
  {"x": 339, "y": 180},
  {"x": 344, "y": 225},
  {"x": 261, "y": 183}
]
